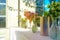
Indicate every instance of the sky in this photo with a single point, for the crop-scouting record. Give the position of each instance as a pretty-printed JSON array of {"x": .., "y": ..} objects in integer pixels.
[
  {"x": 2, "y": 1},
  {"x": 46, "y": 2}
]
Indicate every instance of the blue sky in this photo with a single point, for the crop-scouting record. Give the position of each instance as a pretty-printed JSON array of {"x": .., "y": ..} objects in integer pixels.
[
  {"x": 2, "y": 1},
  {"x": 46, "y": 2}
]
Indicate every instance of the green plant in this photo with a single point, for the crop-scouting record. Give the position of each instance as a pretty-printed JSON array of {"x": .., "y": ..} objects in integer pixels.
[
  {"x": 23, "y": 23},
  {"x": 54, "y": 13},
  {"x": 34, "y": 28},
  {"x": 54, "y": 10},
  {"x": 37, "y": 21}
]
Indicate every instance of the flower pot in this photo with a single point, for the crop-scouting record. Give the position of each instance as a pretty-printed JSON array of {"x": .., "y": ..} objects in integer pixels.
[{"x": 54, "y": 30}]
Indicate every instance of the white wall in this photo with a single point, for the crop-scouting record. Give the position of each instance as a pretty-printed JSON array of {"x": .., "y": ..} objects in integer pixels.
[{"x": 12, "y": 16}]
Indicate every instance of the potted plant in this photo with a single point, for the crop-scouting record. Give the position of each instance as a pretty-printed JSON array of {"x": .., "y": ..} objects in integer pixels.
[
  {"x": 31, "y": 17},
  {"x": 54, "y": 13},
  {"x": 34, "y": 27},
  {"x": 23, "y": 23}
]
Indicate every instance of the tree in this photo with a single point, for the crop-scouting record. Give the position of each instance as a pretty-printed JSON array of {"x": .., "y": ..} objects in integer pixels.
[{"x": 54, "y": 10}]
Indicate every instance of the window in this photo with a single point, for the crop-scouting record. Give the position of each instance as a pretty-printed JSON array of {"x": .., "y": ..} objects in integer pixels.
[{"x": 2, "y": 13}]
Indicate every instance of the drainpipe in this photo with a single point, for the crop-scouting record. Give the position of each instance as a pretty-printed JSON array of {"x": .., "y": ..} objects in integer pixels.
[{"x": 18, "y": 11}]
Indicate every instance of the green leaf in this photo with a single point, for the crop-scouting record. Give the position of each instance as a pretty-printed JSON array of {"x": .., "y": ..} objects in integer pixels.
[{"x": 34, "y": 28}]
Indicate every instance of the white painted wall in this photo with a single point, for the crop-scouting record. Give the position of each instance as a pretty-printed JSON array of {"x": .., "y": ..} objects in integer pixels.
[{"x": 12, "y": 16}]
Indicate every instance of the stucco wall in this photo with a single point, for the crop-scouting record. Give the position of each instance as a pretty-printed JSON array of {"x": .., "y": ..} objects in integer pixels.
[{"x": 11, "y": 15}]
